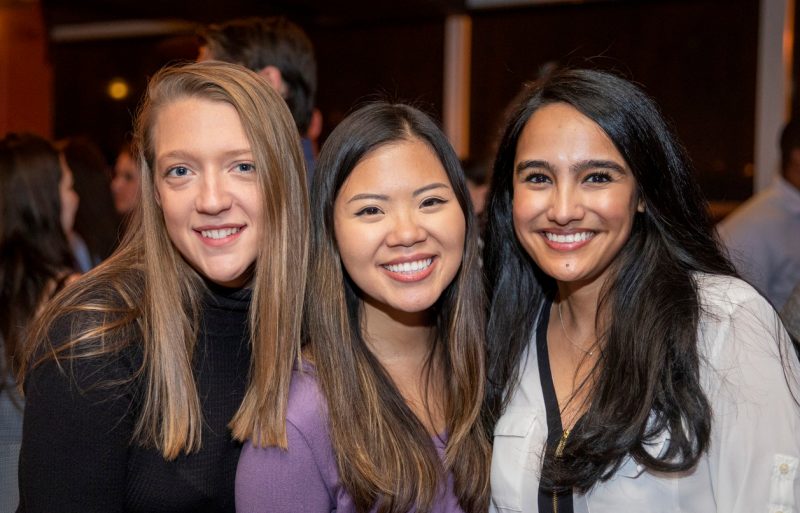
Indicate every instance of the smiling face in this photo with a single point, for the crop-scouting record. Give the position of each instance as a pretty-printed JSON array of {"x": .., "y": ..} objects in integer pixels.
[
  {"x": 206, "y": 184},
  {"x": 399, "y": 227},
  {"x": 574, "y": 195}
]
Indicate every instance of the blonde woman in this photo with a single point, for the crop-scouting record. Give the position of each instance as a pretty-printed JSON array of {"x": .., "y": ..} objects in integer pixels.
[
  {"x": 383, "y": 416},
  {"x": 140, "y": 380}
]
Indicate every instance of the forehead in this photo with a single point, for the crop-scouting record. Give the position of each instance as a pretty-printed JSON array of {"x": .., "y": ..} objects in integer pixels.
[
  {"x": 559, "y": 130},
  {"x": 197, "y": 122},
  {"x": 398, "y": 165}
]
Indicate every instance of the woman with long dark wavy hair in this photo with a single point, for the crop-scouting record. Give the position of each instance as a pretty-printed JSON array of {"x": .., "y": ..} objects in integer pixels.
[
  {"x": 37, "y": 209},
  {"x": 384, "y": 413},
  {"x": 630, "y": 369}
]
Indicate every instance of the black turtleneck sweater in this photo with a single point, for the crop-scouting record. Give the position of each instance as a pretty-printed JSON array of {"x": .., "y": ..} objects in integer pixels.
[{"x": 77, "y": 454}]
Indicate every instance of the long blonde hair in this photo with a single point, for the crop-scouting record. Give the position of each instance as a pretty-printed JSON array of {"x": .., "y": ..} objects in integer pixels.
[{"x": 133, "y": 294}]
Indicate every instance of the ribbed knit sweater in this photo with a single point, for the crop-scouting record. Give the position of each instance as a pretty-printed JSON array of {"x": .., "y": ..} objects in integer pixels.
[{"x": 77, "y": 451}]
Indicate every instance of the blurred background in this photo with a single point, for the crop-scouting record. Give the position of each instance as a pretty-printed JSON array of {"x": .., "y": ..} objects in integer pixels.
[{"x": 720, "y": 69}]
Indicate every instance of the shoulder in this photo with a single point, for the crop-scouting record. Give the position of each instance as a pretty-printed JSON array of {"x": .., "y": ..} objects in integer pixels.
[
  {"x": 731, "y": 308},
  {"x": 738, "y": 327},
  {"x": 307, "y": 411},
  {"x": 305, "y": 475},
  {"x": 721, "y": 294},
  {"x": 761, "y": 210},
  {"x": 89, "y": 333}
]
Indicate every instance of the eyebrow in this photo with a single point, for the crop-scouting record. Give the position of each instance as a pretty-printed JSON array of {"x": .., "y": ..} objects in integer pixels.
[
  {"x": 383, "y": 197},
  {"x": 185, "y": 155},
  {"x": 575, "y": 168}
]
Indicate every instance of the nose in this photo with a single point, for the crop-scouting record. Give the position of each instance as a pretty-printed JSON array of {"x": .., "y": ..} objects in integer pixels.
[
  {"x": 406, "y": 230},
  {"x": 213, "y": 195},
  {"x": 565, "y": 204}
]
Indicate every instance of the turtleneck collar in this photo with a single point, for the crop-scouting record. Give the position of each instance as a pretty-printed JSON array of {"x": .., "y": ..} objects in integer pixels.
[{"x": 233, "y": 299}]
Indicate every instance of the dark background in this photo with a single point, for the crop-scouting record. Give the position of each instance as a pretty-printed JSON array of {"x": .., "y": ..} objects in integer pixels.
[{"x": 696, "y": 57}]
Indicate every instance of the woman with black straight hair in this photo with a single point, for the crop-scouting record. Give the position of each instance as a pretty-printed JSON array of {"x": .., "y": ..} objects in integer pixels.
[{"x": 628, "y": 367}]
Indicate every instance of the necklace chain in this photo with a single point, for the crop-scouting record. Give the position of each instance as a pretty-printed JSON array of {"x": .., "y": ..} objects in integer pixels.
[{"x": 564, "y": 330}]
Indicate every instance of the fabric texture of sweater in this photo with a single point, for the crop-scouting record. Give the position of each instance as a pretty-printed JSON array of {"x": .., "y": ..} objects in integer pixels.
[
  {"x": 77, "y": 450},
  {"x": 305, "y": 477}
]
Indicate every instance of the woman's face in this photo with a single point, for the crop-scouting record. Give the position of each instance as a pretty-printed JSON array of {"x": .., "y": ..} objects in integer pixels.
[
  {"x": 574, "y": 195},
  {"x": 69, "y": 198},
  {"x": 125, "y": 183},
  {"x": 399, "y": 227},
  {"x": 206, "y": 184}
]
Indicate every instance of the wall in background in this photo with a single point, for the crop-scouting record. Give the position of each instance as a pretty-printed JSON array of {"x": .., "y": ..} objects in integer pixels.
[
  {"x": 26, "y": 83},
  {"x": 696, "y": 57}
]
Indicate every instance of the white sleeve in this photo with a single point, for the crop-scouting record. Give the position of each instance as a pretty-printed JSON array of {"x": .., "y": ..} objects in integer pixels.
[{"x": 752, "y": 378}]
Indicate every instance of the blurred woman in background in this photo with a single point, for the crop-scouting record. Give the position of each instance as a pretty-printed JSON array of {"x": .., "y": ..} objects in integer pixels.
[
  {"x": 37, "y": 209},
  {"x": 126, "y": 181},
  {"x": 96, "y": 222}
]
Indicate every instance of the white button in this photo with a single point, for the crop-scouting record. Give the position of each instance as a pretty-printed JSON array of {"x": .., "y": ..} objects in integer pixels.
[{"x": 783, "y": 469}]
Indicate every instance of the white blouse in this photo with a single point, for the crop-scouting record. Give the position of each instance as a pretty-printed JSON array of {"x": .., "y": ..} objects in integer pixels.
[{"x": 751, "y": 464}]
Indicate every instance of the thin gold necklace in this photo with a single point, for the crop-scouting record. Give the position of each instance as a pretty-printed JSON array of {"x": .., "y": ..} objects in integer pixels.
[{"x": 564, "y": 330}]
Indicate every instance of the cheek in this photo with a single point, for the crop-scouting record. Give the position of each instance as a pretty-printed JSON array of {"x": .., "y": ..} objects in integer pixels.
[
  {"x": 457, "y": 232},
  {"x": 348, "y": 246},
  {"x": 523, "y": 210}
]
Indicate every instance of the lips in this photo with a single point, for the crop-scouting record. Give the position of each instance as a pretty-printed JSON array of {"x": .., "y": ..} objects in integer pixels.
[
  {"x": 219, "y": 235},
  {"x": 568, "y": 241},
  {"x": 568, "y": 238},
  {"x": 411, "y": 269}
]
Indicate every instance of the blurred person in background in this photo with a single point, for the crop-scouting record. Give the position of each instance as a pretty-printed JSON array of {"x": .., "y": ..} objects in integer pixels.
[
  {"x": 761, "y": 235},
  {"x": 478, "y": 173},
  {"x": 37, "y": 209},
  {"x": 281, "y": 52},
  {"x": 96, "y": 222},
  {"x": 126, "y": 182}
]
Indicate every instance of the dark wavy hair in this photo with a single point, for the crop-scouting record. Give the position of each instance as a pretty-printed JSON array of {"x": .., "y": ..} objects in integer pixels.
[
  {"x": 384, "y": 453},
  {"x": 646, "y": 380},
  {"x": 34, "y": 253}
]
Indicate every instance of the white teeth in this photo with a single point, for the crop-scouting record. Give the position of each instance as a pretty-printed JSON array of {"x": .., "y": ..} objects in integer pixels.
[
  {"x": 219, "y": 234},
  {"x": 571, "y": 237},
  {"x": 409, "y": 267}
]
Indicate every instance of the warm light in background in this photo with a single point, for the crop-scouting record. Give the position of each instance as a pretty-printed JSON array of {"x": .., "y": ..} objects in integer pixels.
[{"x": 118, "y": 89}]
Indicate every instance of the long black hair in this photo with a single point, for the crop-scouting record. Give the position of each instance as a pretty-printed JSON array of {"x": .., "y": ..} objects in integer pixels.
[
  {"x": 34, "y": 253},
  {"x": 646, "y": 380}
]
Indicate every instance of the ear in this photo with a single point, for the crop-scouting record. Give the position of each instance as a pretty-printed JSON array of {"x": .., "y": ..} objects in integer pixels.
[
  {"x": 275, "y": 78},
  {"x": 640, "y": 206}
]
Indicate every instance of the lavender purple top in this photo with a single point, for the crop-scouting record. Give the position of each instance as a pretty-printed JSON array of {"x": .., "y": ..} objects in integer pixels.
[{"x": 305, "y": 477}]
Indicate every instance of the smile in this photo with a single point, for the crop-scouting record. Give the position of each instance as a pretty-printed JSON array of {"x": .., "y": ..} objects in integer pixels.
[
  {"x": 219, "y": 234},
  {"x": 409, "y": 267},
  {"x": 569, "y": 238}
]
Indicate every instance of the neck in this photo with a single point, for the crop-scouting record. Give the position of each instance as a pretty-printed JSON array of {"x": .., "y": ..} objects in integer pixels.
[
  {"x": 402, "y": 343},
  {"x": 578, "y": 312},
  {"x": 396, "y": 336}
]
